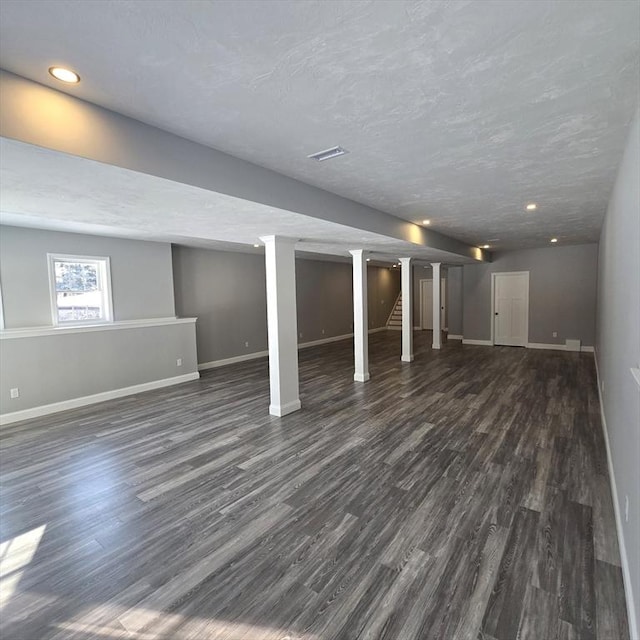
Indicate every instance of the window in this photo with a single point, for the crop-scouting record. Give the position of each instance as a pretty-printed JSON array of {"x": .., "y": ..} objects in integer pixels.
[{"x": 80, "y": 289}]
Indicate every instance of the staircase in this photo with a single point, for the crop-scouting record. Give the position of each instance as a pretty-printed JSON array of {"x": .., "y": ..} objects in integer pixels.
[{"x": 395, "y": 318}]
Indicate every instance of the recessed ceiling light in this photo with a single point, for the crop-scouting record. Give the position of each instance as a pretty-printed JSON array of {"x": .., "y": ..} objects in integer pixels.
[
  {"x": 427, "y": 222},
  {"x": 64, "y": 75},
  {"x": 368, "y": 259},
  {"x": 256, "y": 246},
  {"x": 554, "y": 239},
  {"x": 327, "y": 154},
  {"x": 532, "y": 206},
  {"x": 484, "y": 246}
]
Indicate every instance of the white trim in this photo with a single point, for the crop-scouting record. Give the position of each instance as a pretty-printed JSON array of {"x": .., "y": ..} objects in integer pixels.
[
  {"x": 74, "y": 403},
  {"x": 394, "y": 328},
  {"x": 104, "y": 273},
  {"x": 454, "y": 336},
  {"x": 549, "y": 346},
  {"x": 557, "y": 347},
  {"x": 484, "y": 343},
  {"x": 407, "y": 358},
  {"x": 361, "y": 377},
  {"x": 34, "y": 332},
  {"x": 493, "y": 303},
  {"x": 214, "y": 364},
  {"x": 624, "y": 561},
  {"x": 280, "y": 410}
]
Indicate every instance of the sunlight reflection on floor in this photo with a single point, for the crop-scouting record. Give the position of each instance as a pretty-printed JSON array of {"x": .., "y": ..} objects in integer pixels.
[
  {"x": 169, "y": 625},
  {"x": 15, "y": 554}
]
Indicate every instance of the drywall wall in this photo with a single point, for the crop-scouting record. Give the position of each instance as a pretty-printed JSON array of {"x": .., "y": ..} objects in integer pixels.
[
  {"x": 454, "y": 300},
  {"x": 618, "y": 350},
  {"x": 62, "y": 364},
  {"x": 562, "y": 293},
  {"x": 141, "y": 274},
  {"x": 452, "y": 276},
  {"x": 49, "y": 369},
  {"x": 226, "y": 291}
]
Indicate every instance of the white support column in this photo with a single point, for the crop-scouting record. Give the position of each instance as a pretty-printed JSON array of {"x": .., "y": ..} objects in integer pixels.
[
  {"x": 437, "y": 329},
  {"x": 407, "y": 310},
  {"x": 360, "y": 316},
  {"x": 282, "y": 324}
]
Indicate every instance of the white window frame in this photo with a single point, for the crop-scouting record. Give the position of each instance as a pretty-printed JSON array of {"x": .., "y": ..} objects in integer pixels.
[{"x": 104, "y": 273}]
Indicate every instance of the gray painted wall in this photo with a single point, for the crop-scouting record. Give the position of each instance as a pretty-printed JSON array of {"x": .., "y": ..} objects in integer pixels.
[
  {"x": 562, "y": 293},
  {"x": 54, "y": 368},
  {"x": 141, "y": 275},
  {"x": 226, "y": 291},
  {"x": 454, "y": 300},
  {"x": 618, "y": 343},
  {"x": 49, "y": 369},
  {"x": 453, "y": 296}
]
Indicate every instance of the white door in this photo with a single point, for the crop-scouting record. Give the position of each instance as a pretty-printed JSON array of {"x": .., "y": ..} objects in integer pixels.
[
  {"x": 426, "y": 302},
  {"x": 511, "y": 309}
]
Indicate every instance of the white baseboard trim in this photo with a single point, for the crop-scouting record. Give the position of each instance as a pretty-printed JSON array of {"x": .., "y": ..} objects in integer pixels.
[
  {"x": 361, "y": 377},
  {"x": 484, "y": 343},
  {"x": 376, "y": 330},
  {"x": 394, "y": 328},
  {"x": 454, "y": 336},
  {"x": 626, "y": 573},
  {"x": 74, "y": 403},
  {"x": 549, "y": 346},
  {"x": 556, "y": 347},
  {"x": 214, "y": 364},
  {"x": 280, "y": 410}
]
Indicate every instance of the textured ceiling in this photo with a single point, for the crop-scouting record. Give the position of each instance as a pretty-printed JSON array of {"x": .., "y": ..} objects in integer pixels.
[
  {"x": 106, "y": 200},
  {"x": 459, "y": 111}
]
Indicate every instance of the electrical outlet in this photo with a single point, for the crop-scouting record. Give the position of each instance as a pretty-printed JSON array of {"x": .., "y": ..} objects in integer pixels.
[
  {"x": 14, "y": 393},
  {"x": 555, "y": 334},
  {"x": 246, "y": 344},
  {"x": 179, "y": 362},
  {"x": 626, "y": 508}
]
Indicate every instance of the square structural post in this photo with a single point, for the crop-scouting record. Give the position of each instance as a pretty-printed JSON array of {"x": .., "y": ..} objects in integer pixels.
[
  {"x": 407, "y": 310},
  {"x": 360, "y": 317},
  {"x": 282, "y": 324},
  {"x": 437, "y": 329}
]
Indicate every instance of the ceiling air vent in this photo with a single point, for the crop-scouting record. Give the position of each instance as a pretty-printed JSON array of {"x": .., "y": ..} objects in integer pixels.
[{"x": 327, "y": 154}]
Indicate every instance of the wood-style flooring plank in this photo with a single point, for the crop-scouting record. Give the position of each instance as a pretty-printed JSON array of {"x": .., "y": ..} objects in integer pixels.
[{"x": 461, "y": 496}]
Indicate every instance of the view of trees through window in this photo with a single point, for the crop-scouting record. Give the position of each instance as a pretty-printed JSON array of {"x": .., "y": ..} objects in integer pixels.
[{"x": 78, "y": 291}]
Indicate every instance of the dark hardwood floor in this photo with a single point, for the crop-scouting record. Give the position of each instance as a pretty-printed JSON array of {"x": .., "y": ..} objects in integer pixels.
[{"x": 464, "y": 495}]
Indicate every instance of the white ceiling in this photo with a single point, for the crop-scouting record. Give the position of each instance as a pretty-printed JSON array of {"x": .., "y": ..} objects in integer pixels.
[
  {"x": 459, "y": 111},
  {"x": 103, "y": 199}
]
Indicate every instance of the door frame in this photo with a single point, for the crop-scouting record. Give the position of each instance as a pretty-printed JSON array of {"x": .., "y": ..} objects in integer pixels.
[
  {"x": 492, "y": 306},
  {"x": 444, "y": 320}
]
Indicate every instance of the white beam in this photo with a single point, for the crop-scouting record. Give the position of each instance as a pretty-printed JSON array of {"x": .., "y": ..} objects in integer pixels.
[
  {"x": 360, "y": 318},
  {"x": 437, "y": 329},
  {"x": 407, "y": 310},
  {"x": 282, "y": 324}
]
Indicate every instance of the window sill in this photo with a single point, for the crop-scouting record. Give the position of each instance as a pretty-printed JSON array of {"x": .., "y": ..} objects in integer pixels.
[{"x": 34, "y": 332}]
